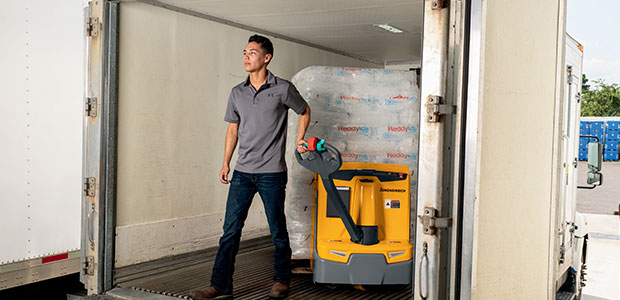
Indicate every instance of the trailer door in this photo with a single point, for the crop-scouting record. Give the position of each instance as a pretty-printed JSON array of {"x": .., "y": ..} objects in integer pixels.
[
  {"x": 571, "y": 111},
  {"x": 40, "y": 164},
  {"x": 449, "y": 148},
  {"x": 430, "y": 227},
  {"x": 431, "y": 164},
  {"x": 99, "y": 146}
]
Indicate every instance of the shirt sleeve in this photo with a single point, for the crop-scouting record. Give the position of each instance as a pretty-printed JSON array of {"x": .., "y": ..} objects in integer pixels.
[
  {"x": 232, "y": 115},
  {"x": 294, "y": 100}
]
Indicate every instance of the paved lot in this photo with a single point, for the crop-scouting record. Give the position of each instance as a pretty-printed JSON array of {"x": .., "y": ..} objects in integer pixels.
[
  {"x": 603, "y": 258},
  {"x": 599, "y": 206},
  {"x": 603, "y": 199}
]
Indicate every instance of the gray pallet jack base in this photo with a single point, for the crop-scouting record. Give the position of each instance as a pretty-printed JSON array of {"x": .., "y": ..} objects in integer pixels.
[{"x": 362, "y": 269}]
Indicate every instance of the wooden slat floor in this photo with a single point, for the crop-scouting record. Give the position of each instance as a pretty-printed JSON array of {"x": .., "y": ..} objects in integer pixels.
[{"x": 252, "y": 279}]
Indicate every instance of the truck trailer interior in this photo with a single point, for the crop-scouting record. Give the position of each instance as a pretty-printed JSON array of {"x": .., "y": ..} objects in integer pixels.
[
  {"x": 159, "y": 74},
  {"x": 177, "y": 61}
]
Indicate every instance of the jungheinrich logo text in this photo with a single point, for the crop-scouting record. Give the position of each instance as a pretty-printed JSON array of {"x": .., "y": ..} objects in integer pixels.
[{"x": 392, "y": 190}]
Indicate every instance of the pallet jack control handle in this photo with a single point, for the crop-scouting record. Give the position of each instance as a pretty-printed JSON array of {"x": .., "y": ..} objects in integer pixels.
[{"x": 326, "y": 161}]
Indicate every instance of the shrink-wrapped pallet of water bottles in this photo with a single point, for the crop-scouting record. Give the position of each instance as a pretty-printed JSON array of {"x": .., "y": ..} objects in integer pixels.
[{"x": 370, "y": 115}]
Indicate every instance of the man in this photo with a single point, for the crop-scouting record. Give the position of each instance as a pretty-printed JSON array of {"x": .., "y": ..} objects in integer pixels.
[{"x": 257, "y": 116}]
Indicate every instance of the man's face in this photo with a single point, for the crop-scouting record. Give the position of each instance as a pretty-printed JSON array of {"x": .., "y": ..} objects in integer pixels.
[{"x": 254, "y": 57}]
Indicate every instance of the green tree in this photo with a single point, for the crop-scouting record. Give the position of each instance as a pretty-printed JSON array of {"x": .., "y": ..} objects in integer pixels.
[
  {"x": 600, "y": 99},
  {"x": 584, "y": 83}
]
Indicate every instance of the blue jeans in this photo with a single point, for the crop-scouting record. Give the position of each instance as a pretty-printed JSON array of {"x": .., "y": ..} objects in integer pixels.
[{"x": 243, "y": 186}]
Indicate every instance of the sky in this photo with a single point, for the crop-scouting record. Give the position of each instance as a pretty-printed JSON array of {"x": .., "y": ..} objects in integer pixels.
[{"x": 596, "y": 25}]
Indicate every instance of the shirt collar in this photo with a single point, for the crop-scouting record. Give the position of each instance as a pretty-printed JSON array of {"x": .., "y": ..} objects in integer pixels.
[{"x": 271, "y": 79}]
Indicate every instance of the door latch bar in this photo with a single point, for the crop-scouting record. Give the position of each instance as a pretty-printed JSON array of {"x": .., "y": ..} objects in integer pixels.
[
  {"x": 435, "y": 108},
  {"x": 431, "y": 221}
]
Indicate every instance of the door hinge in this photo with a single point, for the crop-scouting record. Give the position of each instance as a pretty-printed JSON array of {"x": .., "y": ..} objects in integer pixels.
[
  {"x": 575, "y": 163},
  {"x": 88, "y": 266},
  {"x": 92, "y": 27},
  {"x": 439, "y": 4},
  {"x": 90, "y": 186},
  {"x": 569, "y": 74},
  {"x": 562, "y": 253},
  {"x": 435, "y": 108},
  {"x": 90, "y": 106},
  {"x": 431, "y": 221}
]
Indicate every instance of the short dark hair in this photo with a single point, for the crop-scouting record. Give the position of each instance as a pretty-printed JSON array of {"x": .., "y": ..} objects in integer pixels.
[{"x": 264, "y": 42}]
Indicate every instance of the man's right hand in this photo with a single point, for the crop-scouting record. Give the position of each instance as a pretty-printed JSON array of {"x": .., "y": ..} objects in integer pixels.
[{"x": 224, "y": 175}]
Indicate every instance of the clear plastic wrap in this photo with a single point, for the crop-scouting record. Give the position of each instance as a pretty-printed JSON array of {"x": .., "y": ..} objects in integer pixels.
[{"x": 370, "y": 115}]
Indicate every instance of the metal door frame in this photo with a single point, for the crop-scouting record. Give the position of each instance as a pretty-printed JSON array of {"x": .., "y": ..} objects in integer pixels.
[
  {"x": 99, "y": 150},
  {"x": 441, "y": 76},
  {"x": 454, "y": 40},
  {"x": 468, "y": 174},
  {"x": 557, "y": 207},
  {"x": 450, "y": 73}
]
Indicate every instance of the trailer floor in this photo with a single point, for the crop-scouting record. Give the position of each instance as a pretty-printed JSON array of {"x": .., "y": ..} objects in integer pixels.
[{"x": 179, "y": 275}]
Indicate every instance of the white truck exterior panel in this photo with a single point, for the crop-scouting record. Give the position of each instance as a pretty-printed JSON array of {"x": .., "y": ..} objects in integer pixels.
[
  {"x": 40, "y": 125},
  {"x": 517, "y": 169}
]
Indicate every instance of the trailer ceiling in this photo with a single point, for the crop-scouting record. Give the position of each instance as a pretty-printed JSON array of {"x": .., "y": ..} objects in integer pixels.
[{"x": 345, "y": 25}]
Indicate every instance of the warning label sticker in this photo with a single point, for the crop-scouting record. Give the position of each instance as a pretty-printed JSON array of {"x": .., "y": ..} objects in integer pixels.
[{"x": 392, "y": 203}]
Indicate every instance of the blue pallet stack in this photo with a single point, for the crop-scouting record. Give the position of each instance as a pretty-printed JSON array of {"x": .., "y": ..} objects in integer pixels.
[
  {"x": 611, "y": 141},
  {"x": 611, "y": 152},
  {"x": 584, "y": 129},
  {"x": 597, "y": 129},
  {"x": 583, "y": 155}
]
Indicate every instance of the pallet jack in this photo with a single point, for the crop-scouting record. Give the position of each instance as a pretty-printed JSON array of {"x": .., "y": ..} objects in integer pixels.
[{"x": 361, "y": 219}]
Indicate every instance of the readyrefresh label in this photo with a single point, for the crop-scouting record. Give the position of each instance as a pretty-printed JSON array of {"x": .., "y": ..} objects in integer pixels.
[
  {"x": 411, "y": 129},
  {"x": 396, "y": 100},
  {"x": 348, "y": 131},
  {"x": 398, "y": 132},
  {"x": 356, "y": 129},
  {"x": 400, "y": 156},
  {"x": 354, "y": 157}
]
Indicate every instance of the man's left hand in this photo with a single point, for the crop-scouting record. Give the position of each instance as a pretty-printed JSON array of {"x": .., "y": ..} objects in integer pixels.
[{"x": 301, "y": 146}]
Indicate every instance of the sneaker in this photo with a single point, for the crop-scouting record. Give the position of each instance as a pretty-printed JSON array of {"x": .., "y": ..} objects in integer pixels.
[
  {"x": 279, "y": 290},
  {"x": 208, "y": 293}
]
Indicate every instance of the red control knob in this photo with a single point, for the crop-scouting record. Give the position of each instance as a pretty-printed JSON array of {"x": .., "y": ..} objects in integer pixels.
[{"x": 312, "y": 141}]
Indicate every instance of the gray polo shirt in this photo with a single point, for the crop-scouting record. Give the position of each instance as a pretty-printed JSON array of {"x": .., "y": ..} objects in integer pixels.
[{"x": 262, "y": 118}]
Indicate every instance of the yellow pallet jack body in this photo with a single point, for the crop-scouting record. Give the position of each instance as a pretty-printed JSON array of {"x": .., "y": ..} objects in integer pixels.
[{"x": 381, "y": 200}]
